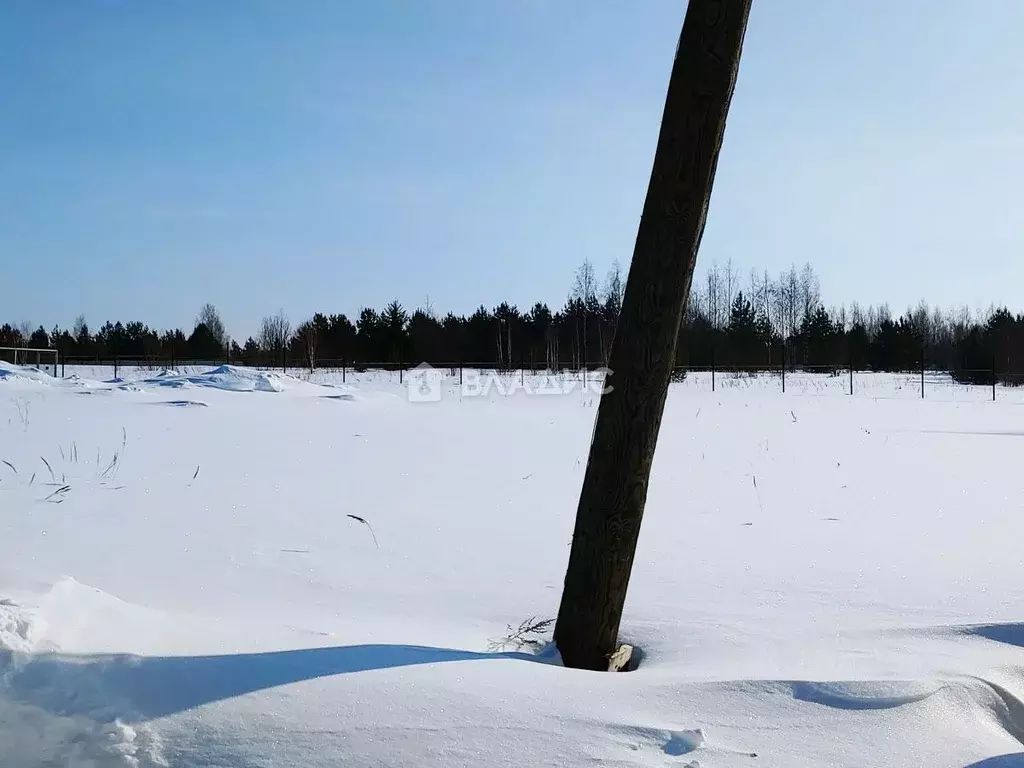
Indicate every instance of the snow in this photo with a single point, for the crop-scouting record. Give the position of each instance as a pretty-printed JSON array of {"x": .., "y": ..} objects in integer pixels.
[
  {"x": 821, "y": 579},
  {"x": 30, "y": 373}
]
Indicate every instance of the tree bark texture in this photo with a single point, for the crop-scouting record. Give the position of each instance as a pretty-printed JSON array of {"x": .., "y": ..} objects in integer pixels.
[{"x": 643, "y": 349}]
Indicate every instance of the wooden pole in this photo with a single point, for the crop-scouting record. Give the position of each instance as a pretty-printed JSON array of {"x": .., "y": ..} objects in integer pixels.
[{"x": 614, "y": 492}]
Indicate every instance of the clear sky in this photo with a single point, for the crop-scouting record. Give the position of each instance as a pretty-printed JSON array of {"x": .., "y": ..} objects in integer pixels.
[{"x": 331, "y": 154}]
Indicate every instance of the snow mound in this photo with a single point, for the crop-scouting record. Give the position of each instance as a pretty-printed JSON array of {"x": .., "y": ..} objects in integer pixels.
[
  {"x": 228, "y": 378},
  {"x": 54, "y": 710},
  {"x": 12, "y": 371},
  {"x": 15, "y": 628}
]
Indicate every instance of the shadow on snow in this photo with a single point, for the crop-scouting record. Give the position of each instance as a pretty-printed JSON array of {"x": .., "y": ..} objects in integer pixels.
[{"x": 146, "y": 687}]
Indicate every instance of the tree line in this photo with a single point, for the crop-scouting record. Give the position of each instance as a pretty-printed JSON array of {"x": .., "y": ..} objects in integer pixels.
[{"x": 757, "y": 323}]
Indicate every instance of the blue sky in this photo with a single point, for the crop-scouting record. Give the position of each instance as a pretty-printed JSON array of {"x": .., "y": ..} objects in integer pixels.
[{"x": 327, "y": 155}]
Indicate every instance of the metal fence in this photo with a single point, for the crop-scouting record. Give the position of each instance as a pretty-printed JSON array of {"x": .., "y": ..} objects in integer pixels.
[{"x": 845, "y": 378}]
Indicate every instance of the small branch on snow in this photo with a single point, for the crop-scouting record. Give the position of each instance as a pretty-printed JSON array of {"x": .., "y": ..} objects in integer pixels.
[{"x": 526, "y": 635}]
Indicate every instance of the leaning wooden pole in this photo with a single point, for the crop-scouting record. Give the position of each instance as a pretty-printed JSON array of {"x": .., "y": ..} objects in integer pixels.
[{"x": 611, "y": 504}]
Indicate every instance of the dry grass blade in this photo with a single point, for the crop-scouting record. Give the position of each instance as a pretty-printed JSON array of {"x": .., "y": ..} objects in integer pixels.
[
  {"x": 52, "y": 476},
  {"x": 58, "y": 496},
  {"x": 359, "y": 519},
  {"x": 23, "y": 409},
  {"x": 13, "y": 469},
  {"x": 116, "y": 463},
  {"x": 111, "y": 467},
  {"x": 758, "y": 492}
]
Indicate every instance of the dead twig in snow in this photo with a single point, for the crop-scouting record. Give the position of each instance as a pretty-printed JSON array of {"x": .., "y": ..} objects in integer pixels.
[
  {"x": 52, "y": 476},
  {"x": 359, "y": 519},
  {"x": 13, "y": 469},
  {"x": 526, "y": 635}
]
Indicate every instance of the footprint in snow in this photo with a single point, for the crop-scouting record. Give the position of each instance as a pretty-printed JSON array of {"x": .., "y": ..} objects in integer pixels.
[{"x": 684, "y": 742}]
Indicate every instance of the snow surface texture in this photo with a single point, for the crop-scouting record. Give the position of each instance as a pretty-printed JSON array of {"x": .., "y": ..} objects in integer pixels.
[{"x": 821, "y": 580}]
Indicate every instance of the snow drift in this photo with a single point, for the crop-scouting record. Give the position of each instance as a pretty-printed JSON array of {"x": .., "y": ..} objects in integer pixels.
[{"x": 821, "y": 580}]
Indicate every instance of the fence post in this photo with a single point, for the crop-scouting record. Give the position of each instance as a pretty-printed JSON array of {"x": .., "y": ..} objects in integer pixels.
[
  {"x": 343, "y": 370},
  {"x": 993, "y": 378},
  {"x": 401, "y": 372},
  {"x": 115, "y": 366},
  {"x": 783, "y": 373},
  {"x": 712, "y": 369},
  {"x": 460, "y": 374},
  {"x": 922, "y": 374},
  {"x": 851, "y": 372}
]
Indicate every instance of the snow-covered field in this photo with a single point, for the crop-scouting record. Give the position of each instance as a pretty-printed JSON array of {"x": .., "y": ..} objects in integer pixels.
[{"x": 821, "y": 580}]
